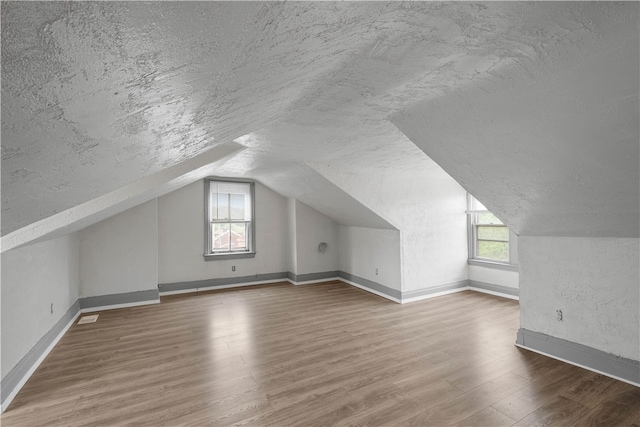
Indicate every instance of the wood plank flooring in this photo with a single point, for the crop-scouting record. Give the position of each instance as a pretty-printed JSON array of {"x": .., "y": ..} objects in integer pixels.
[{"x": 317, "y": 355}]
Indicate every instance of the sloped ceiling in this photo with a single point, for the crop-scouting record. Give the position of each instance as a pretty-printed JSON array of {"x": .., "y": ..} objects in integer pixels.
[
  {"x": 553, "y": 149},
  {"x": 96, "y": 96}
]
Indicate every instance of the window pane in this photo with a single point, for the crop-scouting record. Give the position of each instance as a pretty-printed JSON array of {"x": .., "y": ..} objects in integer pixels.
[
  {"x": 213, "y": 207},
  {"x": 488, "y": 218},
  {"x": 220, "y": 237},
  {"x": 230, "y": 217},
  {"x": 498, "y": 251},
  {"x": 237, "y": 206},
  {"x": 223, "y": 206},
  {"x": 493, "y": 233},
  {"x": 239, "y": 236}
]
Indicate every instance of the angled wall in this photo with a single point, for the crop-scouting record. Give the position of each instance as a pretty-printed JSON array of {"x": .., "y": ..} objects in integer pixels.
[
  {"x": 311, "y": 229},
  {"x": 428, "y": 208},
  {"x": 40, "y": 289},
  {"x": 552, "y": 147},
  {"x": 595, "y": 282},
  {"x": 120, "y": 256},
  {"x": 371, "y": 256}
]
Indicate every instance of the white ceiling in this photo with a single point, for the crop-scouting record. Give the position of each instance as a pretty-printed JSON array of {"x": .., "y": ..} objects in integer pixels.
[
  {"x": 96, "y": 96},
  {"x": 554, "y": 148}
]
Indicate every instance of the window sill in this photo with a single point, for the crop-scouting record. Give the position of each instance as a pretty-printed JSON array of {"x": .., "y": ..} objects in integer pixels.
[
  {"x": 230, "y": 255},
  {"x": 493, "y": 264}
]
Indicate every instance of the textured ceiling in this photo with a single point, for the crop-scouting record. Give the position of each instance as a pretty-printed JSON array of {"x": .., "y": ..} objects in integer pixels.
[
  {"x": 552, "y": 149},
  {"x": 98, "y": 95}
]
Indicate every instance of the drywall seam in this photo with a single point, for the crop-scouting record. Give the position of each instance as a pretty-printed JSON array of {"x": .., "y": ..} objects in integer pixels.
[
  {"x": 608, "y": 364},
  {"x": 13, "y": 382}
]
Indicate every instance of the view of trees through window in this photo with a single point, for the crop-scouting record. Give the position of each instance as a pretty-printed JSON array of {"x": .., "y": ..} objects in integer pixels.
[
  {"x": 492, "y": 237},
  {"x": 489, "y": 237}
]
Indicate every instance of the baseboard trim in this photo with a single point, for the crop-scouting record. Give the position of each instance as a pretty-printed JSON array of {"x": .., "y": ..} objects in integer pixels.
[
  {"x": 421, "y": 294},
  {"x": 20, "y": 374},
  {"x": 371, "y": 286},
  {"x": 13, "y": 382},
  {"x": 222, "y": 283},
  {"x": 327, "y": 276},
  {"x": 497, "y": 290},
  {"x": 218, "y": 287},
  {"x": 311, "y": 282},
  {"x": 372, "y": 291},
  {"x": 117, "y": 306},
  {"x": 436, "y": 291},
  {"x": 620, "y": 368},
  {"x": 304, "y": 279},
  {"x": 112, "y": 301}
]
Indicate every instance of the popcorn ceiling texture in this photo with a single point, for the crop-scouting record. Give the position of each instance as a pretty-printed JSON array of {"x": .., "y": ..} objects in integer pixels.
[
  {"x": 553, "y": 148},
  {"x": 98, "y": 95}
]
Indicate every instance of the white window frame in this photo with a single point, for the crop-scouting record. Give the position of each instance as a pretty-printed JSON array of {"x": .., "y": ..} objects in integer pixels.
[
  {"x": 209, "y": 253},
  {"x": 473, "y": 259}
]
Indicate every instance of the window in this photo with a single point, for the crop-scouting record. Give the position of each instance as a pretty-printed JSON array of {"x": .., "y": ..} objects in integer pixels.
[
  {"x": 229, "y": 219},
  {"x": 490, "y": 241}
]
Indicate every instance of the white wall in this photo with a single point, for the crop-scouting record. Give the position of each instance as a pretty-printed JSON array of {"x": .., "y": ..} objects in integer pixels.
[
  {"x": 426, "y": 205},
  {"x": 594, "y": 281},
  {"x": 312, "y": 228},
  {"x": 34, "y": 277},
  {"x": 363, "y": 250},
  {"x": 120, "y": 254},
  {"x": 510, "y": 279},
  {"x": 181, "y": 237}
]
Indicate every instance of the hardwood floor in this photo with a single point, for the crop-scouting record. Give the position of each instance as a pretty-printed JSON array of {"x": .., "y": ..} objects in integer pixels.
[{"x": 320, "y": 355}]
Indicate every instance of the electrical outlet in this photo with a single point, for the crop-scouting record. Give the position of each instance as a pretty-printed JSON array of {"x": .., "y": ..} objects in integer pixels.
[
  {"x": 559, "y": 315},
  {"x": 376, "y": 271},
  {"x": 233, "y": 268}
]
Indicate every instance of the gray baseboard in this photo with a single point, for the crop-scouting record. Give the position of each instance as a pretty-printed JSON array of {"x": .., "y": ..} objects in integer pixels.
[
  {"x": 15, "y": 375},
  {"x": 369, "y": 284},
  {"x": 436, "y": 289},
  {"x": 312, "y": 276},
  {"x": 609, "y": 364},
  {"x": 117, "y": 299},
  {"x": 494, "y": 288},
  {"x": 212, "y": 284},
  {"x": 606, "y": 363}
]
